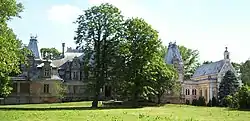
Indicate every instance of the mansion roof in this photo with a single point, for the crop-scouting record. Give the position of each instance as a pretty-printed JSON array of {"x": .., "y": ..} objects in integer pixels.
[{"x": 208, "y": 69}]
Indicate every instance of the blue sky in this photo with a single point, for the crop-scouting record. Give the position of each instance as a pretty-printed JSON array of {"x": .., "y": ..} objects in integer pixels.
[{"x": 206, "y": 25}]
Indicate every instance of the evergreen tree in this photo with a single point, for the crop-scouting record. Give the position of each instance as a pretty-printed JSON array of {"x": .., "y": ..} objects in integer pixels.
[{"x": 228, "y": 86}]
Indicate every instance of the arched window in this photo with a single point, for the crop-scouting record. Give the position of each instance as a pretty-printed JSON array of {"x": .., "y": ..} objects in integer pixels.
[
  {"x": 195, "y": 92},
  {"x": 188, "y": 92}
]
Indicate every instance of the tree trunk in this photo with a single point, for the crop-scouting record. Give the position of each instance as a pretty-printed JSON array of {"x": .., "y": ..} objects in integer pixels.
[{"x": 159, "y": 99}]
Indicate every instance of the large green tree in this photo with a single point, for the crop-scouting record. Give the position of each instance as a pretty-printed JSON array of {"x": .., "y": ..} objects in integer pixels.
[
  {"x": 98, "y": 33},
  {"x": 142, "y": 43},
  {"x": 163, "y": 77},
  {"x": 228, "y": 86},
  {"x": 11, "y": 52},
  {"x": 245, "y": 72}
]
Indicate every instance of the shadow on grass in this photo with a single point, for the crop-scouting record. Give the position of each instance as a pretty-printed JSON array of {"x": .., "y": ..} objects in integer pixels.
[
  {"x": 233, "y": 109},
  {"x": 64, "y": 108}
]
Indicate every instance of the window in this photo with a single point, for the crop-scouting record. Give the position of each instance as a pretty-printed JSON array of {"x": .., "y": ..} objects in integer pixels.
[
  {"x": 195, "y": 92},
  {"x": 75, "y": 89},
  {"x": 46, "y": 88},
  {"x": 74, "y": 75},
  {"x": 200, "y": 93},
  {"x": 14, "y": 86},
  {"x": 46, "y": 73},
  {"x": 24, "y": 87}
]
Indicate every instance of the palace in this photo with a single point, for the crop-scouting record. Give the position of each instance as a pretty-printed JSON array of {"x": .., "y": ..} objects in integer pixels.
[
  {"x": 39, "y": 82},
  {"x": 206, "y": 79}
]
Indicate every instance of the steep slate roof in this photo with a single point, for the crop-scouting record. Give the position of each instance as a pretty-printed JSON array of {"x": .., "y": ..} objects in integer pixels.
[
  {"x": 173, "y": 53},
  {"x": 34, "y": 48},
  {"x": 211, "y": 68}
]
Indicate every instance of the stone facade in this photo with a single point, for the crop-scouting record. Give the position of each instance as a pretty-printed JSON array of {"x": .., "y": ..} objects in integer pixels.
[
  {"x": 38, "y": 83},
  {"x": 206, "y": 79}
]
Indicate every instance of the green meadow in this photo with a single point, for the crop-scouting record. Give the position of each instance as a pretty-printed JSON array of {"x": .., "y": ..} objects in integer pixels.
[{"x": 80, "y": 111}]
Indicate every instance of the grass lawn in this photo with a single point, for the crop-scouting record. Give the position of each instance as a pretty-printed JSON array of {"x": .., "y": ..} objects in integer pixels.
[{"x": 79, "y": 111}]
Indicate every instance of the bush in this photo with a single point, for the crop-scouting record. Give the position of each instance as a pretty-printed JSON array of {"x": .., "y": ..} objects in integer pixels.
[
  {"x": 243, "y": 96},
  {"x": 214, "y": 102},
  {"x": 194, "y": 102},
  {"x": 209, "y": 103},
  {"x": 187, "y": 102},
  {"x": 201, "y": 101}
]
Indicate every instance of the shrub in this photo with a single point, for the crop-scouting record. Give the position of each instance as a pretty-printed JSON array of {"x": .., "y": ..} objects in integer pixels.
[
  {"x": 214, "y": 102},
  {"x": 201, "y": 101},
  {"x": 194, "y": 102},
  {"x": 187, "y": 102},
  {"x": 209, "y": 103},
  {"x": 243, "y": 96}
]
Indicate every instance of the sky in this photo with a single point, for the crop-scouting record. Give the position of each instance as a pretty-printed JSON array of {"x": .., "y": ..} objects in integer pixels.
[{"x": 204, "y": 25}]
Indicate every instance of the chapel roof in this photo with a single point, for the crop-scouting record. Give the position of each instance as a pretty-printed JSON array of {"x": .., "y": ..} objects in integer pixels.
[{"x": 209, "y": 69}]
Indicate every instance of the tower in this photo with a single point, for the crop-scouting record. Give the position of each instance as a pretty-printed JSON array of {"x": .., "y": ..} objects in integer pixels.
[
  {"x": 226, "y": 54},
  {"x": 33, "y": 47},
  {"x": 174, "y": 58}
]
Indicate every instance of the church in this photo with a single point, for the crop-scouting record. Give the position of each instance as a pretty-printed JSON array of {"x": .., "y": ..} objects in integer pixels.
[{"x": 206, "y": 79}]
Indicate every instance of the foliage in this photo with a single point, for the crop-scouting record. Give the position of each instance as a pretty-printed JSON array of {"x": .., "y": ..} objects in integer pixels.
[
  {"x": 228, "y": 86},
  {"x": 214, "y": 101},
  {"x": 9, "y": 9},
  {"x": 190, "y": 59},
  {"x": 209, "y": 104},
  {"x": 243, "y": 97},
  {"x": 143, "y": 45},
  {"x": 195, "y": 102},
  {"x": 201, "y": 101},
  {"x": 163, "y": 77},
  {"x": 11, "y": 49},
  {"x": 60, "y": 89},
  {"x": 98, "y": 33},
  {"x": 51, "y": 53},
  {"x": 245, "y": 72}
]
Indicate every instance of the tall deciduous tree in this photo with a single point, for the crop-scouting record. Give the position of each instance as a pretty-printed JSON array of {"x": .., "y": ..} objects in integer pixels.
[
  {"x": 143, "y": 44},
  {"x": 98, "y": 33},
  {"x": 228, "y": 86},
  {"x": 11, "y": 52},
  {"x": 163, "y": 77}
]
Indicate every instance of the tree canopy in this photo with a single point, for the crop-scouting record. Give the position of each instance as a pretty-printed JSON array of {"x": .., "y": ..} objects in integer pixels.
[
  {"x": 51, "y": 53},
  {"x": 98, "y": 34},
  {"x": 12, "y": 52},
  {"x": 245, "y": 72},
  {"x": 228, "y": 86}
]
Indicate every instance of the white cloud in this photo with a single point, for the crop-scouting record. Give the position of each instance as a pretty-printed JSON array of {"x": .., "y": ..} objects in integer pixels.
[{"x": 63, "y": 14}]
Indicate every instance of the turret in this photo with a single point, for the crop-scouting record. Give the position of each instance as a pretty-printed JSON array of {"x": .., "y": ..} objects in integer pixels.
[
  {"x": 226, "y": 55},
  {"x": 33, "y": 47}
]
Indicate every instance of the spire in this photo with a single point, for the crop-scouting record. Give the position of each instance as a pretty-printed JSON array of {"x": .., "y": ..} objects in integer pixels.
[{"x": 33, "y": 47}]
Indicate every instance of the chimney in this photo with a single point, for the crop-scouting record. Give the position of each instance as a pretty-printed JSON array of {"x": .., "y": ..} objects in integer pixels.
[{"x": 63, "y": 46}]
